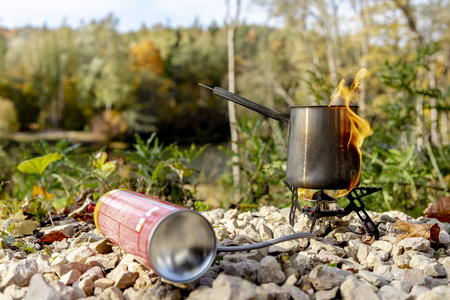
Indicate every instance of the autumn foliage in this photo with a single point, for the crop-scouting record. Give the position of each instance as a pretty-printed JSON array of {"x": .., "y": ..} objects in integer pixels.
[
  {"x": 146, "y": 57},
  {"x": 439, "y": 210}
]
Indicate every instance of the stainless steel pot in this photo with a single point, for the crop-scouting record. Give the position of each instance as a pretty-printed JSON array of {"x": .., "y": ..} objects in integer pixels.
[{"x": 319, "y": 155}]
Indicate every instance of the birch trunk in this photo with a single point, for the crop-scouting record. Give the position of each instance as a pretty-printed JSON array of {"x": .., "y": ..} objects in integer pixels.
[
  {"x": 419, "y": 128},
  {"x": 232, "y": 24},
  {"x": 435, "y": 139},
  {"x": 329, "y": 40},
  {"x": 444, "y": 128},
  {"x": 364, "y": 54}
]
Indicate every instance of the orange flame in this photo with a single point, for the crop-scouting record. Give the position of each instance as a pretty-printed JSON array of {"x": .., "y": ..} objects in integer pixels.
[
  {"x": 304, "y": 193},
  {"x": 360, "y": 128}
]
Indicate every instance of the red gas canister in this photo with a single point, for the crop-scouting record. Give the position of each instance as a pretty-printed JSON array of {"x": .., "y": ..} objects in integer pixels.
[{"x": 179, "y": 244}]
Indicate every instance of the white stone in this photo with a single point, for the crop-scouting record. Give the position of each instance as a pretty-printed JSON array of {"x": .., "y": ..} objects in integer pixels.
[
  {"x": 303, "y": 259},
  {"x": 213, "y": 215},
  {"x": 418, "y": 290},
  {"x": 444, "y": 238},
  {"x": 80, "y": 254},
  {"x": 420, "y": 261},
  {"x": 124, "y": 279},
  {"x": 291, "y": 280},
  {"x": 231, "y": 214},
  {"x": 70, "y": 277},
  {"x": 251, "y": 232},
  {"x": 267, "y": 210},
  {"x": 373, "y": 279},
  {"x": 18, "y": 272},
  {"x": 105, "y": 261},
  {"x": 15, "y": 291},
  {"x": 289, "y": 246},
  {"x": 295, "y": 292},
  {"x": 221, "y": 232},
  {"x": 383, "y": 245},
  {"x": 6, "y": 255},
  {"x": 434, "y": 269},
  {"x": 326, "y": 277},
  {"x": 398, "y": 215},
  {"x": 401, "y": 285},
  {"x": 265, "y": 232},
  {"x": 87, "y": 285},
  {"x": 246, "y": 269},
  {"x": 103, "y": 283},
  {"x": 352, "y": 289},
  {"x": 227, "y": 287},
  {"x": 111, "y": 293},
  {"x": 275, "y": 217},
  {"x": 275, "y": 290},
  {"x": 390, "y": 293},
  {"x": 326, "y": 257},
  {"x": 43, "y": 263},
  {"x": 338, "y": 251},
  {"x": 94, "y": 272},
  {"x": 40, "y": 289},
  {"x": 363, "y": 253},
  {"x": 439, "y": 292},
  {"x": 326, "y": 294},
  {"x": 402, "y": 260},
  {"x": 415, "y": 243},
  {"x": 68, "y": 230},
  {"x": 232, "y": 226},
  {"x": 270, "y": 271}
]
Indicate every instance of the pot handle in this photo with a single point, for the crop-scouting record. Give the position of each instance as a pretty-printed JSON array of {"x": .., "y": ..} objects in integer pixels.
[{"x": 246, "y": 103}]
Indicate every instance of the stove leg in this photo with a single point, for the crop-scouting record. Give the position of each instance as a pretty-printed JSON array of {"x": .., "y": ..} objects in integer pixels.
[
  {"x": 295, "y": 205},
  {"x": 358, "y": 207}
]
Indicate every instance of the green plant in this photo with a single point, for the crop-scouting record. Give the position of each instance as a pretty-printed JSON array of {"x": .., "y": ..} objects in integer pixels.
[
  {"x": 147, "y": 157},
  {"x": 40, "y": 197},
  {"x": 14, "y": 242},
  {"x": 63, "y": 177},
  {"x": 262, "y": 161},
  {"x": 156, "y": 165},
  {"x": 102, "y": 173},
  {"x": 179, "y": 162},
  {"x": 59, "y": 170},
  {"x": 400, "y": 157},
  {"x": 405, "y": 177}
]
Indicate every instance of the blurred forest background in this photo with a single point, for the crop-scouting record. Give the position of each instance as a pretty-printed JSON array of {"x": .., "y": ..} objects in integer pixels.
[{"x": 99, "y": 85}]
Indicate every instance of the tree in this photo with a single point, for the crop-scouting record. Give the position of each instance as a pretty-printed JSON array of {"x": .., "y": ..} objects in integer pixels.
[{"x": 232, "y": 23}]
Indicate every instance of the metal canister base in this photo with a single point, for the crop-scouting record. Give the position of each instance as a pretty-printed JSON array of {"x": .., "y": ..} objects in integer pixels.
[{"x": 182, "y": 246}]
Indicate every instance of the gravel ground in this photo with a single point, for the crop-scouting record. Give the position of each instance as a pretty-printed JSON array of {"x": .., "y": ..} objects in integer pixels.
[{"x": 336, "y": 265}]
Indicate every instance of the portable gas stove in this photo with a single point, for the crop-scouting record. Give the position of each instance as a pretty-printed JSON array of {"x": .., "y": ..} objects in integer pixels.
[
  {"x": 323, "y": 154},
  {"x": 320, "y": 209}
]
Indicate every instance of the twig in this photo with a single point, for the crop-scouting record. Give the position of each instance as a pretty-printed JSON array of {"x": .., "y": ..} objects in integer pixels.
[{"x": 435, "y": 166}]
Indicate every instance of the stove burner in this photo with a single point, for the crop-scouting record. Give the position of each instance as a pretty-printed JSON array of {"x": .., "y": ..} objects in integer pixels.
[{"x": 321, "y": 208}]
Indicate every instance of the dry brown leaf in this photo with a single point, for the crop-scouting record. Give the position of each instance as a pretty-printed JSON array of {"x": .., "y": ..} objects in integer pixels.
[
  {"x": 54, "y": 236},
  {"x": 439, "y": 210},
  {"x": 428, "y": 231},
  {"x": 39, "y": 191},
  {"x": 18, "y": 225}
]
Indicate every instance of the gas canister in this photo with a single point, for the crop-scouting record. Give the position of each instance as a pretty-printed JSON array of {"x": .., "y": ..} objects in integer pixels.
[{"x": 179, "y": 244}]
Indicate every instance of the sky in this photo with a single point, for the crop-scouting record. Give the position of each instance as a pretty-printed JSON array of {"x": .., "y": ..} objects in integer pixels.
[{"x": 131, "y": 13}]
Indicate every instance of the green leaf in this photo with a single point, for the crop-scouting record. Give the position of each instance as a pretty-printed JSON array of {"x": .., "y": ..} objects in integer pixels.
[
  {"x": 334, "y": 265},
  {"x": 108, "y": 166},
  {"x": 63, "y": 202},
  {"x": 37, "y": 165}
]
